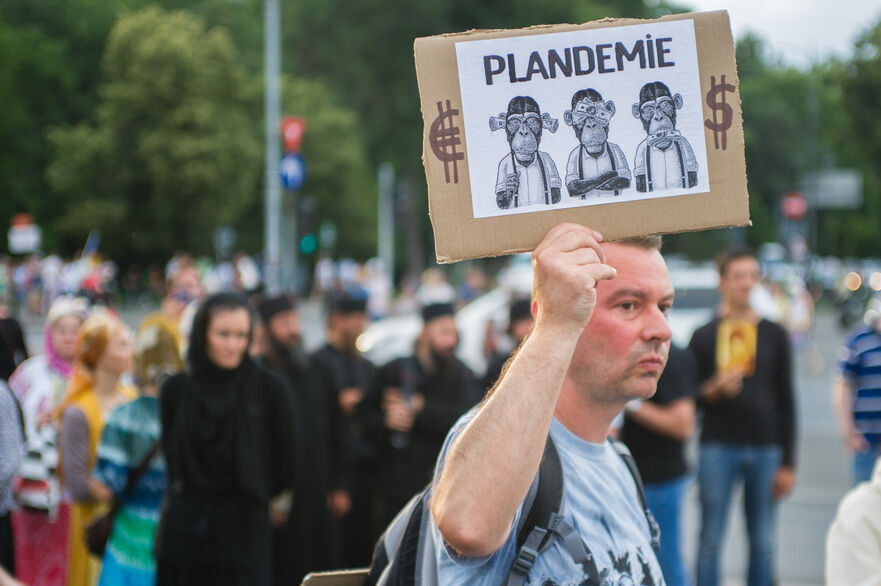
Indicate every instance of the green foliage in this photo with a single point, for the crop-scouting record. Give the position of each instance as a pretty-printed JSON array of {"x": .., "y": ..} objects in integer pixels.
[
  {"x": 171, "y": 152},
  {"x": 33, "y": 82},
  {"x": 154, "y": 132}
]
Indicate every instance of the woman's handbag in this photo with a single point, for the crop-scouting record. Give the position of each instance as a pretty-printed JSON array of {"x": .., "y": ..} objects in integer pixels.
[{"x": 97, "y": 532}]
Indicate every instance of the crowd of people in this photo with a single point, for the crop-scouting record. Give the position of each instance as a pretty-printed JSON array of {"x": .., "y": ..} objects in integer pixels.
[{"x": 228, "y": 454}]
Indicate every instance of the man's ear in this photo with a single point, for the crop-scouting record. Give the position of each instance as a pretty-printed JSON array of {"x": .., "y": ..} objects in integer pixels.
[
  {"x": 610, "y": 106},
  {"x": 677, "y": 100}
]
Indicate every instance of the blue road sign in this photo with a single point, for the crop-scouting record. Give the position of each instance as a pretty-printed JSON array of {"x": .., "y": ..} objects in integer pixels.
[{"x": 293, "y": 171}]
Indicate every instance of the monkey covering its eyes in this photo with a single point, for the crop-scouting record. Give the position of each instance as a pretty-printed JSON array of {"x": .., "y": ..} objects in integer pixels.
[
  {"x": 596, "y": 166},
  {"x": 664, "y": 160},
  {"x": 526, "y": 176}
]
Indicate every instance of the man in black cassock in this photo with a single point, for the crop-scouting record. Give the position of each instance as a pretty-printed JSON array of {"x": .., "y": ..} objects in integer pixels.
[
  {"x": 301, "y": 544},
  {"x": 416, "y": 400},
  {"x": 344, "y": 378}
]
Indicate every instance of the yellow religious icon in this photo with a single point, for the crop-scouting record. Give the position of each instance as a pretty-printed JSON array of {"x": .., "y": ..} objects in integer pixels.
[{"x": 736, "y": 347}]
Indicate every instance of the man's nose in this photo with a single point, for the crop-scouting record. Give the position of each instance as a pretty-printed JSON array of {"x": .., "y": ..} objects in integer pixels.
[{"x": 657, "y": 327}]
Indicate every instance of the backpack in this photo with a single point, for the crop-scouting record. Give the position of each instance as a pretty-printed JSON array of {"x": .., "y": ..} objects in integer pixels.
[{"x": 399, "y": 559}]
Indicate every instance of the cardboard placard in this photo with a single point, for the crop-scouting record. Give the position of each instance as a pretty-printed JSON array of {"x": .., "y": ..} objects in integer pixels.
[
  {"x": 628, "y": 126},
  {"x": 338, "y": 578}
]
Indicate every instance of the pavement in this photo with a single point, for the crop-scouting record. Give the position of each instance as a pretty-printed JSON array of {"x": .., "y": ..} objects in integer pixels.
[{"x": 823, "y": 464}]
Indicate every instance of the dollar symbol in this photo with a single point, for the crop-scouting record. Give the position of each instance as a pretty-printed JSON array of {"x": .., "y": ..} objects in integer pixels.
[
  {"x": 444, "y": 138},
  {"x": 716, "y": 101}
]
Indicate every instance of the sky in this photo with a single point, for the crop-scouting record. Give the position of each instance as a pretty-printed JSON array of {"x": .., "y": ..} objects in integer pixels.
[{"x": 800, "y": 31}]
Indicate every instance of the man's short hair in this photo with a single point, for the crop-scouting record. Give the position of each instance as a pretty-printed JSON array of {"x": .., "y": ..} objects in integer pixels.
[
  {"x": 653, "y": 242},
  {"x": 729, "y": 255}
]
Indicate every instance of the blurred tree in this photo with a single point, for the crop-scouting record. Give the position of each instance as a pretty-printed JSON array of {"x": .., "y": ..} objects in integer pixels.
[
  {"x": 33, "y": 83},
  {"x": 855, "y": 232},
  {"x": 170, "y": 152}
]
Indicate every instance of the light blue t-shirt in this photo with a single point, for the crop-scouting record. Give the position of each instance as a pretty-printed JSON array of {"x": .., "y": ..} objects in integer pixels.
[{"x": 601, "y": 503}]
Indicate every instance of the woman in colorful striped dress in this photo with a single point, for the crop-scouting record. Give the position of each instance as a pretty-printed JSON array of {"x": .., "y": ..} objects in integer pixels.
[{"x": 130, "y": 435}]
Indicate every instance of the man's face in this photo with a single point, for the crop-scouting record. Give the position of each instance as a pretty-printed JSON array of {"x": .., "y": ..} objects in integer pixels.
[
  {"x": 285, "y": 328},
  {"x": 525, "y": 133},
  {"x": 189, "y": 282},
  {"x": 624, "y": 347},
  {"x": 741, "y": 275},
  {"x": 350, "y": 325},
  {"x": 441, "y": 336}
]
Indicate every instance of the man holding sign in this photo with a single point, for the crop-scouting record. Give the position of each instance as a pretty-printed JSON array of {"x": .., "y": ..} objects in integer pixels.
[{"x": 600, "y": 339}]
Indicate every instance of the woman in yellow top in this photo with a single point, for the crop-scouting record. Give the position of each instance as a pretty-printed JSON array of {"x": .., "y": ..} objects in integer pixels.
[{"x": 103, "y": 354}]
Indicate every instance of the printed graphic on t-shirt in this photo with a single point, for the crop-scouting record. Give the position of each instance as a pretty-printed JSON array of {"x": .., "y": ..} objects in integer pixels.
[
  {"x": 624, "y": 570},
  {"x": 736, "y": 347}
]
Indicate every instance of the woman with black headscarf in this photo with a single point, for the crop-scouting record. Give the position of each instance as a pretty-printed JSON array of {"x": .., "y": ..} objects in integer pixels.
[{"x": 227, "y": 434}]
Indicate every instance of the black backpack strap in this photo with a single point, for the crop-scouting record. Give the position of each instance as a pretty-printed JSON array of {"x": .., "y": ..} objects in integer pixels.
[
  {"x": 548, "y": 493},
  {"x": 535, "y": 531},
  {"x": 624, "y": 452},
  {"x": 544, "y": 525}
]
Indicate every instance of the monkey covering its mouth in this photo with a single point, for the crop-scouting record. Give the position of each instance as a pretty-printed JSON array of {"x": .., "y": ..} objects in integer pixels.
[{"x": 665, "y": 159}]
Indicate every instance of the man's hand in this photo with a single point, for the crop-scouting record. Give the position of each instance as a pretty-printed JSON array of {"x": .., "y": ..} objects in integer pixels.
[
  {"x": 349, "y": 398},
  {"x": 568, "y": 265},
  {"x": 723, "y": 386},
  {"x": 856, "y": 442},
  {"x": 400, "y": 413},
  {"x": 340, "y": 503},
  {"x": 784, "y": 482},
  {"x": 280, "y": 509}
]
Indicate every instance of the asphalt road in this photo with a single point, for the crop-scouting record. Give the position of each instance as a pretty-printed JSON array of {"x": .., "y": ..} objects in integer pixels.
[{"x": 823, "y": 463}]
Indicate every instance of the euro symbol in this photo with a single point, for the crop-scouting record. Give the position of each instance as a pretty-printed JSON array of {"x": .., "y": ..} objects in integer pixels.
[
  {"x": 716, "y": 101},
  {"x": 444, "y": 138}
]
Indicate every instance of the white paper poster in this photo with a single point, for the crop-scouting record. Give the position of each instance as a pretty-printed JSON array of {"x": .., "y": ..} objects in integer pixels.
[{"x": 582, "y": 118}]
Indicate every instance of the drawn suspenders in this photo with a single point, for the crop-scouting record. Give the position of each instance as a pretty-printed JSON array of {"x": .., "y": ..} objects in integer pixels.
[
  {"x": 544, "y": 178},
  {"x": 648, "y": 166},
  {"x": 581, "y": 150}
]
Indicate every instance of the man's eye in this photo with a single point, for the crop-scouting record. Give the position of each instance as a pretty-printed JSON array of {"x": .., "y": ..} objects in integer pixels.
[
  {"x": 665, "y": 309},
  {"x": 628, "y": 306}
]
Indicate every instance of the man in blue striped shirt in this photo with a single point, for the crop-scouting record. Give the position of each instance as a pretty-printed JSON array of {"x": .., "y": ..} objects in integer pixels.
[{"x": 858, "y": 397}]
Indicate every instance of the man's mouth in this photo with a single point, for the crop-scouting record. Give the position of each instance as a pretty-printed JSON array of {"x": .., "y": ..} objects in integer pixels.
[{"x": 655, "y": 363}]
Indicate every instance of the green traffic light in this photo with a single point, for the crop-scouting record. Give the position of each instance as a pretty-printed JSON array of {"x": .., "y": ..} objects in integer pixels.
[{"x": 309, "y": 244}]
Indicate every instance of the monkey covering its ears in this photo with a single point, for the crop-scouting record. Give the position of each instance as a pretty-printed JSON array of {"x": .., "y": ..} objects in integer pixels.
[{"x": 526, "y": 176}]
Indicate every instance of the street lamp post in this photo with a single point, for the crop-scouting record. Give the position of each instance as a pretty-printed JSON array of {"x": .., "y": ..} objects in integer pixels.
[{"x": 272, "y": 196}]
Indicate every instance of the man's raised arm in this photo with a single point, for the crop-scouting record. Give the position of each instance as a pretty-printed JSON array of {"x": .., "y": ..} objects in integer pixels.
[{"x": 491, "y": 465}]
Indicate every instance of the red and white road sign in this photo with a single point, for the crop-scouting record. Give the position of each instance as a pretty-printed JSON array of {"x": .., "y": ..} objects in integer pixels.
[
  {"x": 794, "y": 205},
  {"x": 292, "y": 130}
]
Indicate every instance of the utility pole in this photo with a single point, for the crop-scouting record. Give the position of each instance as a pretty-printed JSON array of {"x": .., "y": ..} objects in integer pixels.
[
  {"x": 386, "y": 215},
  {"x": 272, "y": 200}
]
